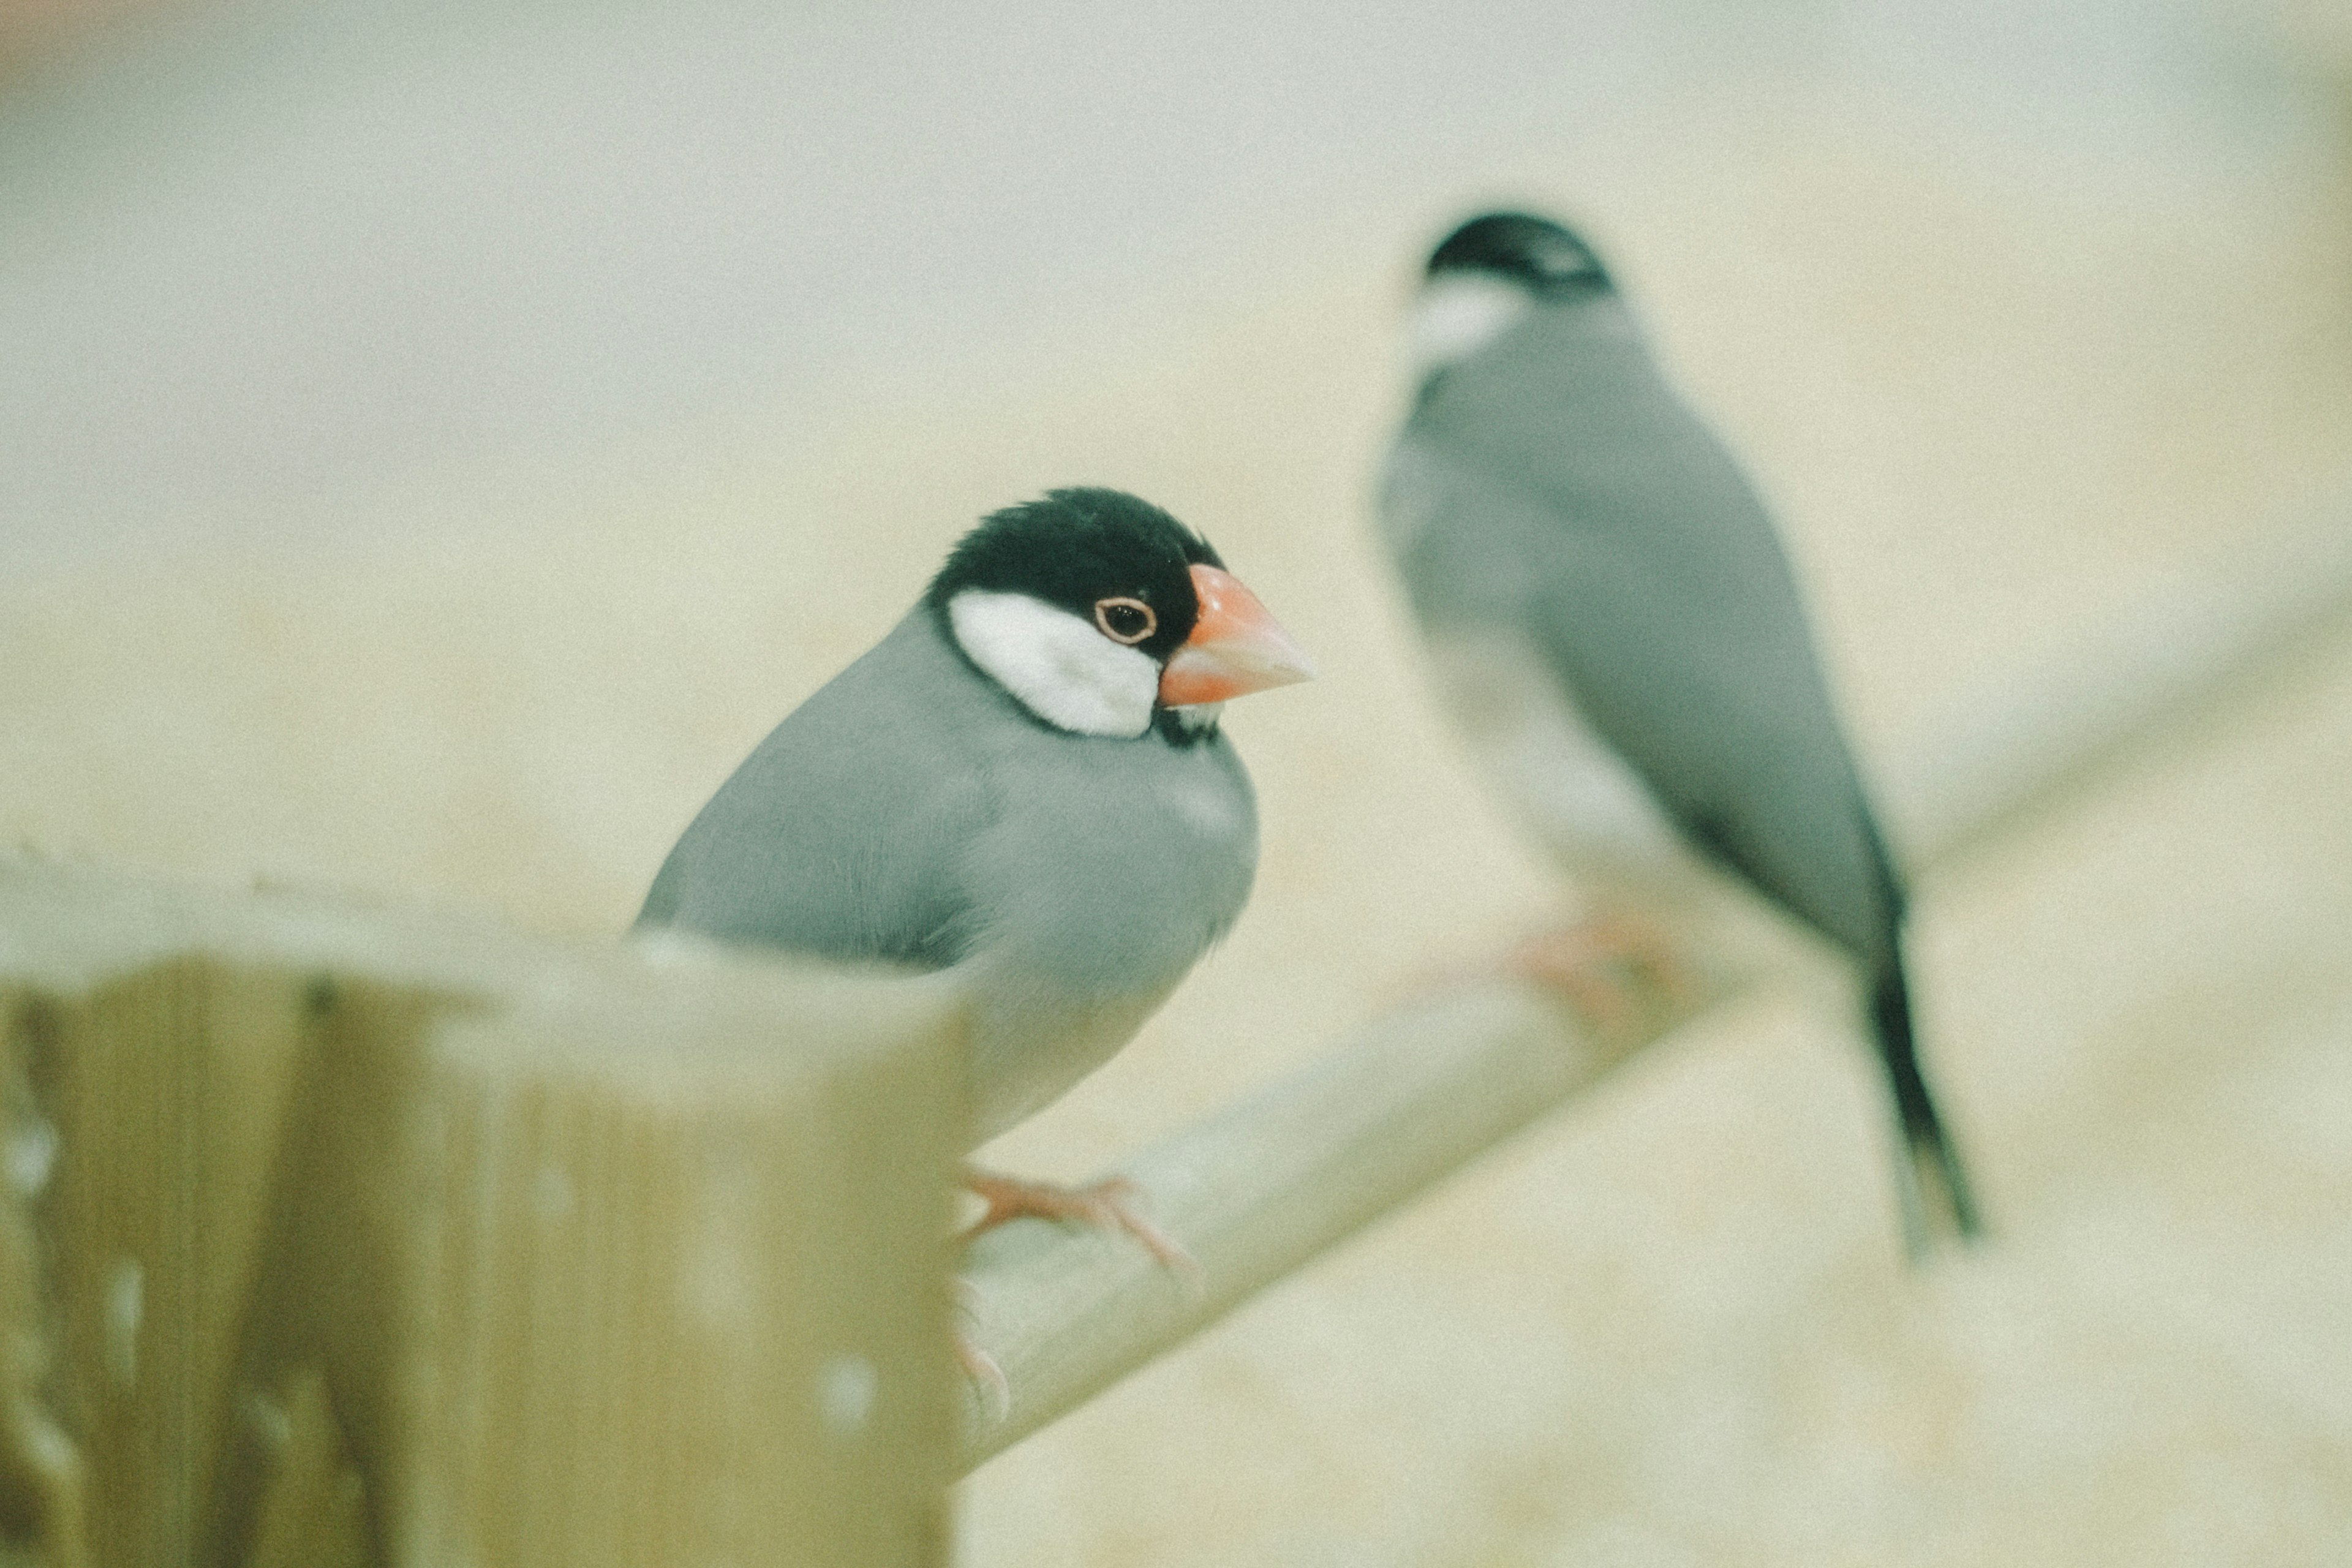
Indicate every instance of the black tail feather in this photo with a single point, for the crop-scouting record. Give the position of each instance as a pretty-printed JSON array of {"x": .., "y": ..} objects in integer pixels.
[{"x": 1931, "y": 1186}]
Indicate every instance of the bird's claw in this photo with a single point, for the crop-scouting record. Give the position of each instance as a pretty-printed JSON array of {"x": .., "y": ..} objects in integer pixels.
[
  {"x": 1610, "y": 968},
  {"x": 987, "y": 1378},
  {"x": 984, "y": 1371},
  {"x": 1108, "y": 1204}
]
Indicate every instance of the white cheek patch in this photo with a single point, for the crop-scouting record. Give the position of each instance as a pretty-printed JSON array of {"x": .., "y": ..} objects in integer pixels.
[
  {"x": 1459, "y": 313},
  {"x": 1058, "y": 666}
]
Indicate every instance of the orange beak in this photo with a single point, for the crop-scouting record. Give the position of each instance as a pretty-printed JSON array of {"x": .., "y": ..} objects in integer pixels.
[{"x": 1236, "y": 647}]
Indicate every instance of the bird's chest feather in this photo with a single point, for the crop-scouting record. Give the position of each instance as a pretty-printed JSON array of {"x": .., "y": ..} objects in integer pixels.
[
  {"x": 1119, "y": 866},
  {"x": 1584, "y": 800},
  {"x": 1107, "y": 877}
]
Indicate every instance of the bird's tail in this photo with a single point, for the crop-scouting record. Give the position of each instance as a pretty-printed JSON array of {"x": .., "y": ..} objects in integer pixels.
[{"x": 1930, "y": 1185}]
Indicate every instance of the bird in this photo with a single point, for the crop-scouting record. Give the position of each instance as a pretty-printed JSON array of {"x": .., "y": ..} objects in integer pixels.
[
  {"x": 1613, "y": 623},
  {"x": 1024, "y": 789}
]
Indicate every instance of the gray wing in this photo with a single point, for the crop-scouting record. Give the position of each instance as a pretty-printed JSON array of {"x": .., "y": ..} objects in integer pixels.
[
  {"x": 842, "y": 833},
  {"x": 1556, "y": 482}
]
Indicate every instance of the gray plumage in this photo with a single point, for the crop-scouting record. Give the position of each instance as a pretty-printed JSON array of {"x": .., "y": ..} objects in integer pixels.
[
  {"x": 1555, "y": 509},
  {"x": 1619, "y": 538},
  {"x": 912, "y": 811}
]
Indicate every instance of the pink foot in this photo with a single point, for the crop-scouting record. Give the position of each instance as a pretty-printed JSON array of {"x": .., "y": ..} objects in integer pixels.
[
  {"x": 987, "y": 1377},
  {"x": 1108, "y": 1204},
  {"x": 1610, "y": 967}
]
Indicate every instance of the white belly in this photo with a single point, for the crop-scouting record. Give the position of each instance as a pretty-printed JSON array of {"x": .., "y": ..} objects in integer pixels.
[
  {"x": 1590, "y": 809},
  {"x": 1029, "y": 1048}
]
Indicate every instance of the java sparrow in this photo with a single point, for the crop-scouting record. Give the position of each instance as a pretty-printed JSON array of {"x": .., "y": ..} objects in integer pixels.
[
  {"x": 1612, "y": 621},
  {"x": 1024, "y": 786}
]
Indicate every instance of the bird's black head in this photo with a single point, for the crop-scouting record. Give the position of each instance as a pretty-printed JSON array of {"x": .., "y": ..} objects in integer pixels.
[
  {"x": 1101, "y": 554},
  {"x": 1536, "y": 253}
]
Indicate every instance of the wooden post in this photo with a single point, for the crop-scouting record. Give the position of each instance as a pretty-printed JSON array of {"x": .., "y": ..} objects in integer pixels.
[{"x": 337, "y": 1235}]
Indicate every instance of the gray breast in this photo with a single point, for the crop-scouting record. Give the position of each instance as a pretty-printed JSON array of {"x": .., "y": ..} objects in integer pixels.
[
  {"x": 1109, "y": 866},
  {"x": 911, "y": 811}
]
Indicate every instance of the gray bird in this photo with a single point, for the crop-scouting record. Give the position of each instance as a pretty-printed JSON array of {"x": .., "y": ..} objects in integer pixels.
[
  {"x": 1613, "y": 623},
  {"x": 1023, "y": 785}
]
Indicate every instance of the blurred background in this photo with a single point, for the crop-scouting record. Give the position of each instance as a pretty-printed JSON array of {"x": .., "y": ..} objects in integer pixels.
[{"x": 437, "y": 441}]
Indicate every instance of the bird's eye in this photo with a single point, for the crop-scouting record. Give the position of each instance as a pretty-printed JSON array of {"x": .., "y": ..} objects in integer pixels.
[{"x": 1125, "y": 620}]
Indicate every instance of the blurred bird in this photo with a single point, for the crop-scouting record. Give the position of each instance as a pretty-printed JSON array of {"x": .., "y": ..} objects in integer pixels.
[
  {"x": 1616, "y": 628},
  {"x": 1023, "y": 785}
]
